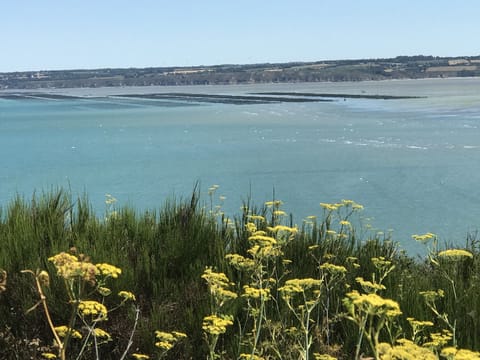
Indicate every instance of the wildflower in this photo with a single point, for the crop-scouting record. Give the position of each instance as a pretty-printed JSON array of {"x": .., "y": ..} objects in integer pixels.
[
  {"x": 69, "y": 266},
  {"x": 216, "y": 325},
  {"x": 279, "y": 213},
  {"x": 256, "y": 217},
  {"x": 240, "y": 262},
  {"x": 455, "y": 254},
  {"x": 405, "y": 350},
  {"x": 345, "y": 223},
  {"x": 431, "y": 295},
  {"x": 262, "y": 240},
  {"x": 255, "y": 293},
  {"x": 329, "y": 207},
  {"x": 109, "y": 270},
  {"x": 369, "y": 286},
  {"x": 424, "y": 238},
  {"x": 127, "y": 295},
  {"x": 275, "y": 203},
  {"x": 99, "y": 333},
  {"x": 218, "y": 284},
  {"x": 49, "y": 356},
  {"x": 90, "y": 307},
  {"x": 439, "y": 339},
  {"x": 250, "y": 227},
  {"x": 166, "y": 340},
  {"x": 283, "y": 228},
  {"x": 104, "y": 291},
  {"x": 63, "y": 331},
  {"x": 333, "y": 269},
  {"x": 373, "y": 304},
  {"x": 140, "y": 356},
  {"x": 459, "y": 354},
  {"x": 318, "y": 356}
]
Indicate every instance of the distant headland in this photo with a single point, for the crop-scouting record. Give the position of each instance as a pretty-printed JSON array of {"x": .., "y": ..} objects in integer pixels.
[{"x": 400, "y": 67}]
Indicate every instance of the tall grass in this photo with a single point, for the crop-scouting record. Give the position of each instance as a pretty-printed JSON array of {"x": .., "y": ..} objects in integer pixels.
[{"x": 164, "y": 252}]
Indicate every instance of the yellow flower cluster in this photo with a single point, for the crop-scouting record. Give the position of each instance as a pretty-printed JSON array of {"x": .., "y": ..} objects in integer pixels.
[
  {"x": 240, "y": 262},
  {"x": 405, "y": 350},
  {"x": 140, "y": 356},
  {"x": 256, "y": 217},
  {"x": 299, "y": 285},
  {"x": 424, "y": 238},
  {"x": 346, "y": 203},
  {"x": 333, "y": 269},
  {"x": 318, "y": 356},
  {"x": 100, "y": 333},
  {"x": 262, "y": 240},
  {"x": 439, "y": 339},
  {"x": 109, "y": 270},
  {"x": 216, "y": 325},
  {"x": 418, "y": 323},
  {"x": 275, "y": 203},
  {"x": 255, "y": 293},
  {"x": 374, "y": 304},
  {"x": 218, "y": 284},
  {"x": 282, "y": 228},
  {"x": 431, "y": 295},
  {"x": 127, "y": 295},
  {"x": 452, "y": 353},
  {"x": 166, "y": 340},
  {"x": 69, "y": 266},
  {"x": 49, "y": 356},
  {"x": 455, "y": 254},
  {"x": 369, "y": 286},
  {"x": 251, "y": 227},
  {"x": 263, "y": 252},
  {"x": 63, "y": 331},
  {"x": 94, "y": 308}
]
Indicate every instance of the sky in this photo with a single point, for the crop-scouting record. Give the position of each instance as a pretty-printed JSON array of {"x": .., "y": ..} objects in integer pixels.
[{"x": 71, "y": 34}]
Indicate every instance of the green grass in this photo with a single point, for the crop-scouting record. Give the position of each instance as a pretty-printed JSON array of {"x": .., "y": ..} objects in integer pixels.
[{"x": 164, "y": 252}]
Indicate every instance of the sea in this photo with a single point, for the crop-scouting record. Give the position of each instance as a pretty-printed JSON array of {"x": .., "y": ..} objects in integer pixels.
[{"x": 413, "y": 163}]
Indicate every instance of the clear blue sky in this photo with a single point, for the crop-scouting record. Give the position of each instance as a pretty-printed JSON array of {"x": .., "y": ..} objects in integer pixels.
[{"x": 69, "y": 34}]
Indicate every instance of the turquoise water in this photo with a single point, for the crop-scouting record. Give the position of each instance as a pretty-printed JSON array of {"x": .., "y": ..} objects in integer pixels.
[{"x": 413, "y": 163}]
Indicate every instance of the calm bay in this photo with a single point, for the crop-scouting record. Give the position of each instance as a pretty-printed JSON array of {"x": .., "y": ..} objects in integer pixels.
[{"x": 413, "y": 163}]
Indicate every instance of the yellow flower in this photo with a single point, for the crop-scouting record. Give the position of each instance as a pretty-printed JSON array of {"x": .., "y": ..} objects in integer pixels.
[
  {"x": 256, "y": 217},
  {"x": 63, "y": 331},
  {"x": 318, "y": 356},
  {"x": 455, "y": 254},
  {"x": 254, "y": 293},
  {"x": 127, "y": 295},
  {"x": 100, "y": 333},
  {"x": 329, "y": 207},
  {"x": 90, "y": 307},
  {"x": 405, "y": 350},
  {"x": 459, "y": 354},
  {"x": 424, "y": 238},
  {"x": 109, "y": 270},
  {"x": 262, "y": 240},
  {"x": 140, "y": 356},
  {"x": 216, "y": 325},
  {"x": 49, "y": 356},
  {"x": 369, "y": 286},
  {"x": 240, "y": 262},
  {"x": 333, "y": 269},
  {"x": 275, "y": 203}
]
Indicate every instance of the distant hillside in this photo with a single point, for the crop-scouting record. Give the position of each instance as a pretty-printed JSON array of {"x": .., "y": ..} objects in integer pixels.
[{"x": 401, "y": 67}]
